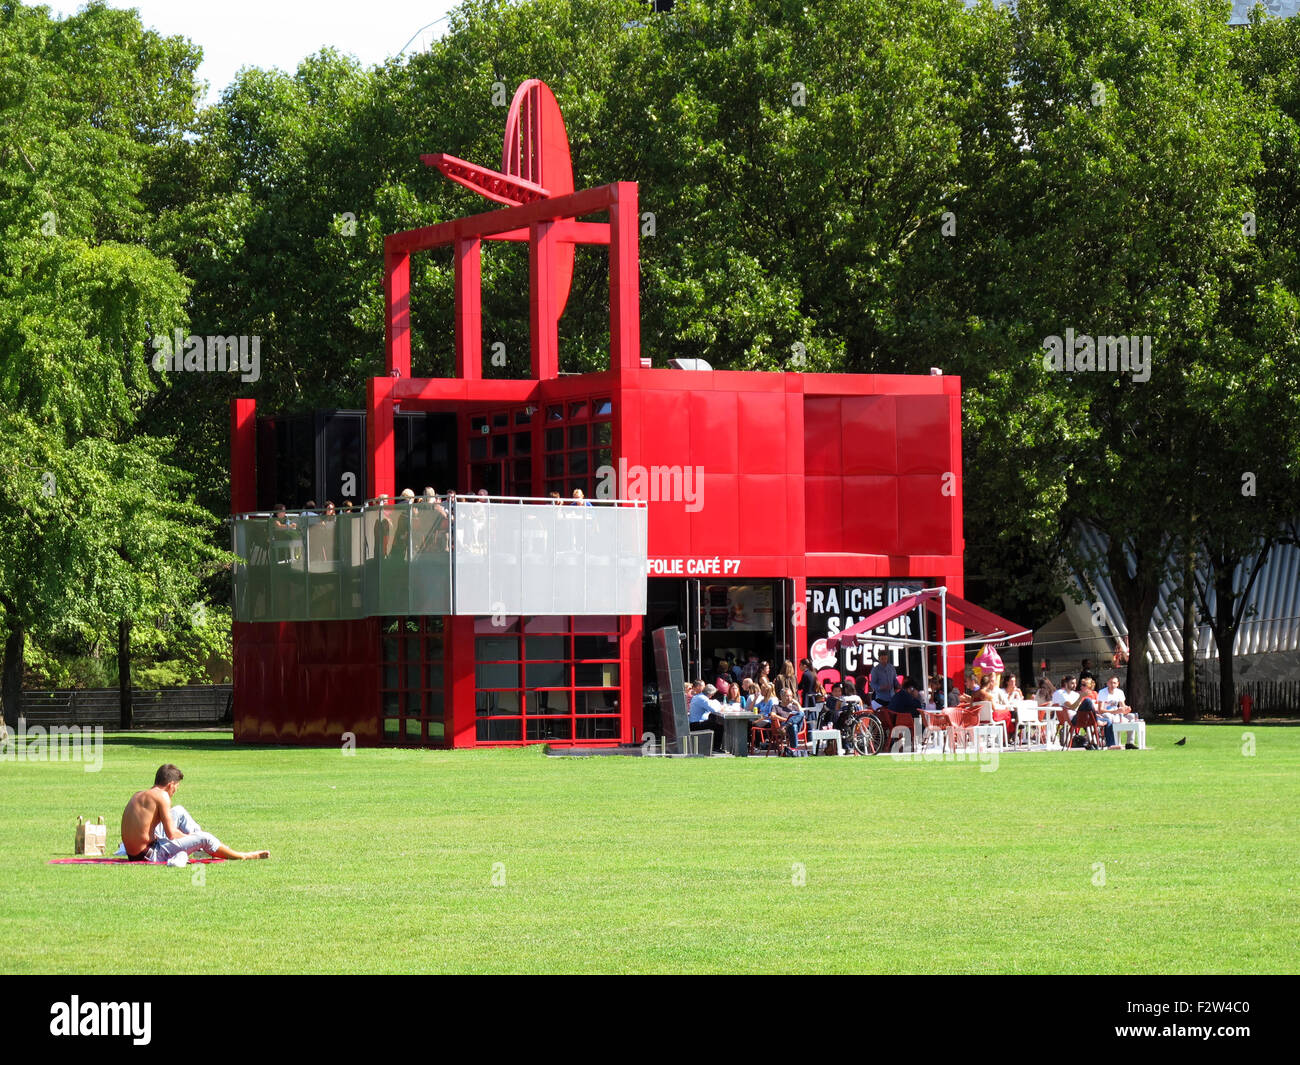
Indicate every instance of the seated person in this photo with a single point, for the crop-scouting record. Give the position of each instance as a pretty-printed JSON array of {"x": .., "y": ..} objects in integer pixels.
[
  {"x": 789, "y": 714},
  {"x": 766, "y": 700},
  {"x": 704, "y": 710},
  {"x": 1087, "y": 714},
  {"x": 152, "y": 827},
  {"x": 1112, "y": 702},
  {"x": 1007, "y": 692},
  {"x": 903, "y": 709},
  {"x": 1066, "y": 701},
  {"x": 831, "y": 708},
  {"x": 1045, "y": 690},
  {"x": 987, "y": 693}
]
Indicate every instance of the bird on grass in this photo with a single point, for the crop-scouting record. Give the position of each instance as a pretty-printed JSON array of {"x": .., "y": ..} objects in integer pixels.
[{"x": 1180, "y": 743}]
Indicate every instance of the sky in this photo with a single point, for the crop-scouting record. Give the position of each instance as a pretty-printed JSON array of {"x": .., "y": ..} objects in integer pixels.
[{"x": 280, "y": 33}]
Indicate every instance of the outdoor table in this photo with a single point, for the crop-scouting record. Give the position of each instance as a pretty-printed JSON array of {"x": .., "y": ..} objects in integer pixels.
[
  {"x": 1136, "y": 729},
  {"x": 735, "y": 731}
]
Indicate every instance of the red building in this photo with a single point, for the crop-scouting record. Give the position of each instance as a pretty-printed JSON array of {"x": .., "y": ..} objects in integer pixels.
[{"x": 778, "y": 508}]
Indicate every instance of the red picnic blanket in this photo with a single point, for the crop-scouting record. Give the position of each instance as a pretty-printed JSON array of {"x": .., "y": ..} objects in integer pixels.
[{"x": 121, "y": 861}]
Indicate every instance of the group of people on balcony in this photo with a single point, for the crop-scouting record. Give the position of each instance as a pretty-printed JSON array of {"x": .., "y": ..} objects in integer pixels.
[{"x": 393, "y": 530}]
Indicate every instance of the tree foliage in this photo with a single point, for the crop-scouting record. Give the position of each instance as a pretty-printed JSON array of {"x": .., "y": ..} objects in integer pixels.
[
  {"x": 860, "y": 185},
  {"x": 94, "y": 521}
]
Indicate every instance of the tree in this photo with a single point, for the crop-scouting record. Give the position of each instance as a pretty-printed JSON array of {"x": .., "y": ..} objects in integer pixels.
[
  {"x": 93, "y": 525},
  {"x": 1110, "y": 153}
]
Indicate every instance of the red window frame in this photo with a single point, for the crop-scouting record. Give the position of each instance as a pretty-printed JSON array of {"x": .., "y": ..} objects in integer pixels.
[
  {"x": 591, "y": 670},
  {"x": 417, "y": 712}
]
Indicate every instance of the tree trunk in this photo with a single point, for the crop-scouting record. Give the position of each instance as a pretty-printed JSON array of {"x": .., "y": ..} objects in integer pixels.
[
  {"x": 1225, "y": 635},
  {"x": 124, "y": 671},
  {"x": 1191, "y": 711},
  {"x": 11, "y": 685},
  {"x": 1138, "y": 596},
  {"x": 1227, "y": 682}
]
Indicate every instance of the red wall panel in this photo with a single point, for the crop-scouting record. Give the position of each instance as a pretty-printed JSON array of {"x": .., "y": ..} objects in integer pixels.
[
  {"x": 306, "y": 682},
  {"x": 823, "y": 436},
  {"x": 870, "y": 516},
  {"x": 761, "y": 421},
  {"x": 922, "y": 432},
  {"x": 869, "y": 435},
  {"x": 824, "y": 512}
]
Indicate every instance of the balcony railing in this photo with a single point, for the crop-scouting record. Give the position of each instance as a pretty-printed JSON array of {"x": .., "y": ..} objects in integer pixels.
[{"x": 473, "y": 555}]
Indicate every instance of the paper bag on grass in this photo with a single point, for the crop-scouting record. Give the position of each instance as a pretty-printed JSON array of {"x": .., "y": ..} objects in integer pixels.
[{"x": 92, "y": 840}]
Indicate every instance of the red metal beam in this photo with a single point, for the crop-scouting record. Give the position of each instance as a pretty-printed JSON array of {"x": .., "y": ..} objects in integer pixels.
[
  {"x": 417, "y": 392},
  {"x": 469, "y": 299},
  {"x": 543, "y": 311},
  {"x": 574, "y": 205},
  {"x": 379, "y": 435},
  {"x": 397, "y": 316},
  {"x": 492, "y": 184},
  {"x": 567, "y": 232},
  {"x": 243, "y": 455},
  {"x": 624, "y": 278}
]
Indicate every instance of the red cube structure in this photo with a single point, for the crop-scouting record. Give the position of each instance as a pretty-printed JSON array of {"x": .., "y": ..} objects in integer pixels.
[{"x": 780, "y": 507}]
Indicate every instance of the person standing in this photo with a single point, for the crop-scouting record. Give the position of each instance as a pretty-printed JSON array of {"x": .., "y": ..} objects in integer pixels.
[
  {"x": 884, "y": 679},
  {"x": 807, "y": 682},
  {"x": 1085, "y": 673}
]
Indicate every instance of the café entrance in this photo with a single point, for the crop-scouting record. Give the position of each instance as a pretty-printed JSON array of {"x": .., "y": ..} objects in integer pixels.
[{"x": 718, "y": 619}]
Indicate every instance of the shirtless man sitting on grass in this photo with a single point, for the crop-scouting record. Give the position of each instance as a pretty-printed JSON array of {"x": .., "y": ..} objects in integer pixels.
[{"x": 153, "y": 830}]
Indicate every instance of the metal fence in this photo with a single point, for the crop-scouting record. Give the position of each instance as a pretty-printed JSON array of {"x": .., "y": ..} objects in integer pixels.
[
  {"x": 206, "y": 704},
  {"x": 1272, "y": 698}
]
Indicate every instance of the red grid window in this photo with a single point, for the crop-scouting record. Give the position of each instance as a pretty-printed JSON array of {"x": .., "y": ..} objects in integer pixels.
[
  {"x": 546, "y": 678},
  {"x": 412, "y": 687},
  {"x": 577, "y": 440},
  {"x": 500, "y": 452}
]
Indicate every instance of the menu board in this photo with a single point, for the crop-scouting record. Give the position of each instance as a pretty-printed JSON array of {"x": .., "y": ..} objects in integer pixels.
[{"x": 737, "y": 607}]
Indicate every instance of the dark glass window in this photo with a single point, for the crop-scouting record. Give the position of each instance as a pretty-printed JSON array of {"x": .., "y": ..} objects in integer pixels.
[{"x": 413, "y": 694}]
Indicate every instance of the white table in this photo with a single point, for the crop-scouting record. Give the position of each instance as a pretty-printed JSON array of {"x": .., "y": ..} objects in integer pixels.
[
  {"x": 1137, "y": 729},
  {"x": 818, "y": 736}
]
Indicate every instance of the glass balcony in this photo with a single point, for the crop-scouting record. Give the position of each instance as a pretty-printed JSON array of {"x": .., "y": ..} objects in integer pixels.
[{"x": 473, "y": 555}]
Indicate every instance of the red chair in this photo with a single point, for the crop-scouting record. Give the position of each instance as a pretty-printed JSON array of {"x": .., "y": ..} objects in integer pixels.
[
  {"x": 938, "y": 725},
  {"x": 1085, "y": 721},
  {"x": 773, "y": 739}
]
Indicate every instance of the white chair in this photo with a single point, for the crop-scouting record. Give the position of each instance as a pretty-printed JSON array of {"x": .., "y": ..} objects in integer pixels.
[
  {"x": 995, "y": 732},
  {"x": 1026, "y": 711}
]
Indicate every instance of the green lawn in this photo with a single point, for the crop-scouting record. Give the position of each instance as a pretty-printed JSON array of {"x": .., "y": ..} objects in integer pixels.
[{"x": 1176, "y": 859}]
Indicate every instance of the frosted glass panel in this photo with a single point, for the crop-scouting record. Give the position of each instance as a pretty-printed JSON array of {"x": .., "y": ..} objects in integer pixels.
[{"x": 469, "y": 558}]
